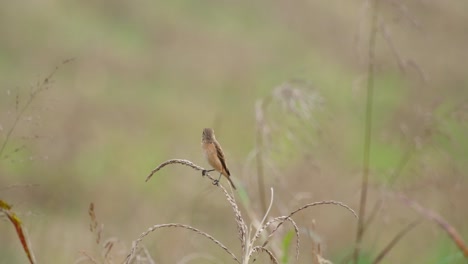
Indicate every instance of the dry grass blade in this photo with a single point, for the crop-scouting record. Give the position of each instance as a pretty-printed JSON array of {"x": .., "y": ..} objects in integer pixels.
[
  {"x": 263, "y": 226},
  {"x": 431, "y": 215},
  {"x": 177, "y": 161},
  {"x": 324, "y": 203},
  {"x": 262, "y": 249},
  {"x": 86, "y": 257},
  {"x": 20, "y": 231},
  {"x": 108, "y": 247},
  {"x": 269, "y": 207},
  {"x": 155, "y": 227},
  {"x": 316, "y": 247}
]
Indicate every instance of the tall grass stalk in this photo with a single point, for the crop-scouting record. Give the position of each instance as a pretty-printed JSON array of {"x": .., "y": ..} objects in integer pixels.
[{"x": 368, "y": 128}]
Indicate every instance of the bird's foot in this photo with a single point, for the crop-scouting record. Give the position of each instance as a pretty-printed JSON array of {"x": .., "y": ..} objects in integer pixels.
[
  {"x": 216, "y": 182},
  {"x": 204, "y": 172}
]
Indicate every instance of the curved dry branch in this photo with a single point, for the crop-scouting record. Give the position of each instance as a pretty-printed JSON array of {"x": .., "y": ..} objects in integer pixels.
[
  {"x": 269, "y": 206},
  {"x": 307, "y": 206},
  {"x": 179, "y": 161},
  {"x": 279, "y": 219},
  {"x": 323, "y": 203},
  {"x": 153, "y": 228},
  {"x": 262, "y": 249}
]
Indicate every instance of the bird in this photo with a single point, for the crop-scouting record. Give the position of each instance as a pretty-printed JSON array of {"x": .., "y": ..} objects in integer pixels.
[{"x": 215, "y": 156}]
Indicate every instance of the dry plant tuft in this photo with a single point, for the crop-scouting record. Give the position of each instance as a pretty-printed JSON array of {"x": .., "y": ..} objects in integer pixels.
[
  {"x": 35, "y": 91},
  {"x": 108, "y": 248},
  {"x": 379, "y": 26},
  {"x": 316, "y": 249},
  {"x": 270, "y": 254},
  {"x": 5, "y": 208},
  {"x": 94, "y": 227},
  {"x": 247, "y": 236},
  {"x": 296, "y": 98}
]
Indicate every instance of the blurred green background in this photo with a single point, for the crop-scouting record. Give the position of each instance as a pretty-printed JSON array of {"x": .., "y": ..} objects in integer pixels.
[{"x": 148, "y": 76}]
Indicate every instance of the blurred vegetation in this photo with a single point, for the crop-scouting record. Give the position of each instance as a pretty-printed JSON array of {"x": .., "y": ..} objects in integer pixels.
[{"x": 148, "y": 76}]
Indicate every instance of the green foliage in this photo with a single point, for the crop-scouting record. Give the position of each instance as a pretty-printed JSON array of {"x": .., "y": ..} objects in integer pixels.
[{"x": 286, "y": 243}]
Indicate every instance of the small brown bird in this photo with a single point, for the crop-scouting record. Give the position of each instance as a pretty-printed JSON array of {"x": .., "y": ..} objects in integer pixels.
[{"x": 215, "y": 156}]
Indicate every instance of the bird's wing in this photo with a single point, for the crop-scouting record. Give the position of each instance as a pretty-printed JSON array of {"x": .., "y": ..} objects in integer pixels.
[{"x": 220, "y": 154}]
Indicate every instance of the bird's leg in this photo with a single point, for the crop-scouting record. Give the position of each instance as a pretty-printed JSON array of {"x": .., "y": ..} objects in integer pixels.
[
  {"x": 203, "y": 173},
  {"x": 216, "y": 182}
]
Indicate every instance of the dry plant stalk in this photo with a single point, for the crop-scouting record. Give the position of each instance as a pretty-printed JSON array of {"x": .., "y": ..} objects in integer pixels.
[
  {"x": 93, "y": 225},
  {"x": 379, "y": 27},
  {"x": 441, "y": 222},
  {"x": 40, "y": 87},
  {"x": 155, "y": 227},
  {"x": 270, "y": 254},
  {"x": 316, "y": 249},
  {"x": 295, "y": 99},
  {"x": 280, "y": 219},
  {"x": 107, "y": 247},
  {"x": 5, "y": 208},
  {"x": 368, "y": 129},
  {"x": 247, "y": 237},
  {"x": 177, "y": 161}
]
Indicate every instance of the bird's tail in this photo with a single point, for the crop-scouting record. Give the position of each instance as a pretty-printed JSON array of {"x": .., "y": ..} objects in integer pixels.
[{"x": 232, "y": 184}]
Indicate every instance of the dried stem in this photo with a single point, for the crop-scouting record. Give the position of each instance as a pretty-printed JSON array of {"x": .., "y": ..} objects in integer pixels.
[
  {"x": 280, "y": 219},
  {"x": 178, "y": 161},
  {"x": 86, "y": 257},
  {"x": 247, "y": 244},
  {"x": 262, "y": 249},
  {"x": 40, "y": 87},
  {"x": 241, "y": 226},
  {"x": 368, "y": 130},
  {"x": 284, "y": 218},
  {"x": 155, "y": 227},
  {"x": 431, "y": 215}
]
